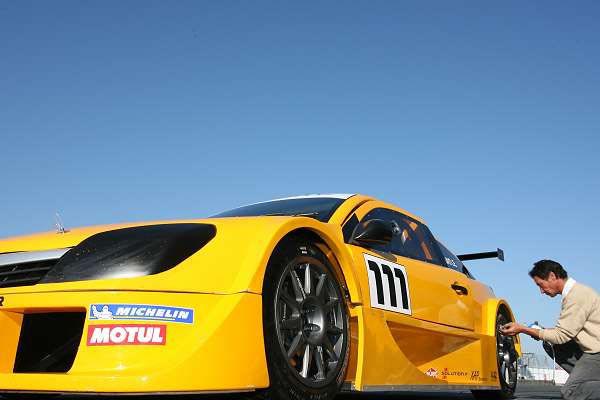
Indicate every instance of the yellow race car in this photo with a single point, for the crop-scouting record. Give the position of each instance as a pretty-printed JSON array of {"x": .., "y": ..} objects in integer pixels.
[{"x": 291, "y": 298}]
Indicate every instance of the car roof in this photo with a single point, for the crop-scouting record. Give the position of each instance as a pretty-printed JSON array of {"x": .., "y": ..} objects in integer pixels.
[{"x": 343, "y": 196}]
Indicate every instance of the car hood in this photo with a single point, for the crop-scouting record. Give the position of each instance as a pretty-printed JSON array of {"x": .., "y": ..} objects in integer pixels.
[{"x": 231, "y": 262}]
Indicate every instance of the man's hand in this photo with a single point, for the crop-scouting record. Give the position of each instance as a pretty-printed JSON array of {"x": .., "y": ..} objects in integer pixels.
[{"x": 511, "y": 329}]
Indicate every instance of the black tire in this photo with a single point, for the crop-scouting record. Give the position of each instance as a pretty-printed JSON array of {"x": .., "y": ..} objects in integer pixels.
[
  {"x": 306, "y": 331},
  {"x": 506, "y": 365}
]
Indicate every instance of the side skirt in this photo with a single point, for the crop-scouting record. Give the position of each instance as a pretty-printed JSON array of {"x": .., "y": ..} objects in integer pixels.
[{"x": 349, "y": 387}]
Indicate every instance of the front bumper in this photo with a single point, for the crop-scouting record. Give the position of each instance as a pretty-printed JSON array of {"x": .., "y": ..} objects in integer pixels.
[{"x": 221, "y": 350}]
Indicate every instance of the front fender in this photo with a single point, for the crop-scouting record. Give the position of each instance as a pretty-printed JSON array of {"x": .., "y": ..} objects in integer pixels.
[
  {"x": 332, "y": 237},
  {"x": 491, "y": 311}
]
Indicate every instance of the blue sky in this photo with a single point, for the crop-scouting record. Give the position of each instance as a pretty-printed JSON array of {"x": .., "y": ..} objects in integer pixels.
[{"x": 483, "y": 119}]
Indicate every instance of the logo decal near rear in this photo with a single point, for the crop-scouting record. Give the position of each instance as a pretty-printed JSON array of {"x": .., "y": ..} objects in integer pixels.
[
  {"x": 120, "y": 335},
  {"x": 388, "y": 285},
  {"x": 143, "y": 312}
]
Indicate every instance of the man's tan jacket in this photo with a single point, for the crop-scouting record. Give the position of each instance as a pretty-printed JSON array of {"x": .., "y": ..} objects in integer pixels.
[{"x": 579, "y": 320}]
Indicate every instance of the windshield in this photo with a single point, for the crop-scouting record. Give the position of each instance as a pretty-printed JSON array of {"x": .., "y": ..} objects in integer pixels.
[{"x": 320, "y": 208}]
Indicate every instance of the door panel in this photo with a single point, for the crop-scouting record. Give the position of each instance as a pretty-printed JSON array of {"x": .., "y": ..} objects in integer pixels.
[
  {"x": 424, "y": 291},
  {"x": 398, "y": 284},
  {"x": 433, "y": 296}
]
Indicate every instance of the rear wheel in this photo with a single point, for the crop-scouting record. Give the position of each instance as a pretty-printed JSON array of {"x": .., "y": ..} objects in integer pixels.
[
  {"x": 507, "y": 364},
  {"x": 305, "y": 324}
]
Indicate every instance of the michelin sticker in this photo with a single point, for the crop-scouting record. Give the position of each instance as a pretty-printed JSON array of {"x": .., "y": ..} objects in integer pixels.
[{"x": 145, "y": 312}]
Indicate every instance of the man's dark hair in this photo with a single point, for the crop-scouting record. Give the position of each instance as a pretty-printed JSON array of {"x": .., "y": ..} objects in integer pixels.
[{"x": 542, "y": 269}]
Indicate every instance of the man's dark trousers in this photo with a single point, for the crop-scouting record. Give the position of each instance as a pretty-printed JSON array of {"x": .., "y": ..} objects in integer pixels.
[{"x": 583, "y": 369}]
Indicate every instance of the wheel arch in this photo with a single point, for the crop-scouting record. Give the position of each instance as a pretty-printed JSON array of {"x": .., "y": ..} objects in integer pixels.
[
  {"x": 494, "y": 307},
  {"x": 336, "y": 255}
]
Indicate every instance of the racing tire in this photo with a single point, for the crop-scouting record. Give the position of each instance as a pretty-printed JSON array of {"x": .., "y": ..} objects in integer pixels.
[
  {"x": 506, "y": 365},
  {"x": 305, "y": 324}
]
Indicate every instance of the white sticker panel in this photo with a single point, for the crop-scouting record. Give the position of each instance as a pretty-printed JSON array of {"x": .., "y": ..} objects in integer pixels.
[{"x": 388, "y": 285}]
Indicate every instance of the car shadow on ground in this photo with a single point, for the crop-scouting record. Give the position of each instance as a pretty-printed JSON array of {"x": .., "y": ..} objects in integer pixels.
[{"x": 524, "y": 392}]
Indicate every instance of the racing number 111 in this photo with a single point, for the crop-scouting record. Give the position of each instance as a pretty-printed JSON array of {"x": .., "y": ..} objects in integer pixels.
[{"x": 388, "y": 284}]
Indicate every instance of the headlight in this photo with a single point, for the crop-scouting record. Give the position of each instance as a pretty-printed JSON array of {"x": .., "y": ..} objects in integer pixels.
[{"x": 131, "y": 252}]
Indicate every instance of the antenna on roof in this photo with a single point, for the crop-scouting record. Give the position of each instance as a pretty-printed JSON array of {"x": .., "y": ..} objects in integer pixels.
[{"x": 60, "y": 227}]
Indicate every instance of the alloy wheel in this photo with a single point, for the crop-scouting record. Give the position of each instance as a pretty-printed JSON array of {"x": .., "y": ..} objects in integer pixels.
[
  {"x": 310, "y": 321},
  {"x": 507, "y": 357}
]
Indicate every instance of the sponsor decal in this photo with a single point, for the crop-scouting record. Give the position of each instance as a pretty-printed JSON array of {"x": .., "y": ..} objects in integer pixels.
[
  {"x": 450, "y": 262},
  {"x": 446, "y": 373},
  {"x": 475, "y": 376},
  {"x": 145, "y": 312},
  {"x": 432, "y": 372},
  {"x": 388, "y": 285},
  {"x": 1, "y": 301},
  {"x": 120, "y": 335},
  {"x": 494, "y": 375}
]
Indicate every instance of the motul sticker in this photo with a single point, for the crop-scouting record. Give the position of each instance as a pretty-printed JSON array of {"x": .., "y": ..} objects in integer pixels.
[{"x": 121, "y": 335}]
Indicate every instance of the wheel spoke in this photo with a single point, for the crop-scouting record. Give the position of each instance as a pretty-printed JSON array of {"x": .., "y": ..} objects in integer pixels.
[
  {"x": 298, "y": 340},
  {"x": 292, "y": 323},
  {"x": 307, "y": 280},
  {"x": 290, "y": 301},
  {"x": 320, "y": 363},
  {"x": 329, "y": 348},
  {"x": 306, "y": 361},
  {"x": 334, "y": 330},
  {"x": 320, "y": 286},
  {"x": 329, "y": 306},
  {"x": 512, "y": 370},
  {"x": 298, "y": 290}
]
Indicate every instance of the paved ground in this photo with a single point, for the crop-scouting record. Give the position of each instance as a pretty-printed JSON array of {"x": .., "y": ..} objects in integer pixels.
[
  {"x": 524, "y": 392},
  {"x": 538, "y": 392}
]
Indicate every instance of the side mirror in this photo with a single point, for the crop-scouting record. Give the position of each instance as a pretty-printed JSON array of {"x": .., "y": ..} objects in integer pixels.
[{"x": 374, "y": 231}]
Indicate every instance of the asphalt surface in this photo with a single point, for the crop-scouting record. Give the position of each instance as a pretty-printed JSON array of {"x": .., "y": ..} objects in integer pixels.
[
  {"x": 524, "y": 392},
  {"x": 527, "y": 391}
]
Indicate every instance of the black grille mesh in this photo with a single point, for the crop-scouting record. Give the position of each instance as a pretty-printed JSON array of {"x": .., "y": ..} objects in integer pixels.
[{"x": 24, "y": 274}]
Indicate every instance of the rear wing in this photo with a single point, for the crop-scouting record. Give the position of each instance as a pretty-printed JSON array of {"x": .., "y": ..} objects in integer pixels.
[{"x": 499, "y": 253}]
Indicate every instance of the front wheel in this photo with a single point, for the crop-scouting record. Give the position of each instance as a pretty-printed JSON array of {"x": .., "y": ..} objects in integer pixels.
[
  {"x": 305, "y": 324},
  {"x": 507, "y": 365}
]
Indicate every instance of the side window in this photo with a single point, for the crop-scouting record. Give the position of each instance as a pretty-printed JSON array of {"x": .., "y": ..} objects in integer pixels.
[
  {"x": 414, "y": 241},
  {"x": 452, "y": 261}
]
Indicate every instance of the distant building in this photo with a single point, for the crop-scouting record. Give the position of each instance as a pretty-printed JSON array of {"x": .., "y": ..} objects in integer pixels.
[{"x": 536, "y": 367}]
